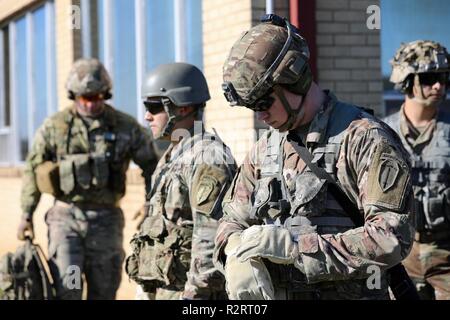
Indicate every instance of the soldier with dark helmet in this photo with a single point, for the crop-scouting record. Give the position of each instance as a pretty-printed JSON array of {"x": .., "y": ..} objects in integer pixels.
[
  {"x": 172, "y": 252},
  {"x": 286, "y": 231},
  {"x": 80, "y": 155},
  {"x": 420, "y": 70}
]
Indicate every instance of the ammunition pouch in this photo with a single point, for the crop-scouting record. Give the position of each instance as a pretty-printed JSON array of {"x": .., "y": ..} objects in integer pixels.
[
  {"x": 83, "y": 171},
  {"x": 47, "y": 178},
  {"x": 161, "y": 254}
]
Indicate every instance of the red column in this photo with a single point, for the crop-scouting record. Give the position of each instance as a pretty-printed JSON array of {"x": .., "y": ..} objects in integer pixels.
[{"x": 302, "y": 14}]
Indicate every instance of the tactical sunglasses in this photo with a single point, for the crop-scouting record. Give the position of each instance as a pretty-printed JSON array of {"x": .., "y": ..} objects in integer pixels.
[
  {"x": 154, "y": 106},
  {"x": 430, "y": 78},
  {"x": 91, "y": 98},
  {"x": 262, "y": 104}
]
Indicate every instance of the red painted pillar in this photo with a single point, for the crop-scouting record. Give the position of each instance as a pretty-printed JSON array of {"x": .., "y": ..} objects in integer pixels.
[{"x": 302, "y": 14}]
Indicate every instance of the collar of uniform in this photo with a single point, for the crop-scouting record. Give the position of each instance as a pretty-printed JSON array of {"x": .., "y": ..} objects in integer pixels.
[
  {"x": 318, "y": 127},
  {"x": 185, "y": 143},
  {"x": 406, "y": 127},
  {"x": 107, "y": 116}
]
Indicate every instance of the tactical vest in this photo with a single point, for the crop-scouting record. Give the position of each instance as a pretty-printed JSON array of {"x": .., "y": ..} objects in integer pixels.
[
  {"x": 307, "y": 206},
  {"x": 80, "y": 171},
  {"x": 430, "y": 178},
  {"x": 162, "y": 247},
  {"x": 307, "y": 202}
]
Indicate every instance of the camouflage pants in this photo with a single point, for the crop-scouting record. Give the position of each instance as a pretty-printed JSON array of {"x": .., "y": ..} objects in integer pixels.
[
  {"x": 89, "y": 243},
  {"x": 428, "y": 265}
]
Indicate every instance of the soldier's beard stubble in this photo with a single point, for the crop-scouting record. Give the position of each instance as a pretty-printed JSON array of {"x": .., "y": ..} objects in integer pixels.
[{"x": 95, "y": 109}]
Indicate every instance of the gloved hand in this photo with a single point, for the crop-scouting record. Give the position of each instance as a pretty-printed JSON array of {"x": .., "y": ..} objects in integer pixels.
[
  {"x": 268, "y": 241},
  {"x": 248, "y": 280},
  {"x": 25, "y": 227}
]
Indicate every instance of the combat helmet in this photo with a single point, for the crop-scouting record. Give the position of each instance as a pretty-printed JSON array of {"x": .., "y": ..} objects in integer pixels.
[
  {"x": 175, "y": 85},
  {"x": 421, "y": 56},
  {"x": 271, "y": 53},
  {"x": 88, "y": 77}
]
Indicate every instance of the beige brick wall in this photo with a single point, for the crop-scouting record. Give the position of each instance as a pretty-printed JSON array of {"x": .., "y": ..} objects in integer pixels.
[
  {"x": 68, "y": 47},
  {"x": 223, "y": 22},
  {"x": 348, "y": 52}
]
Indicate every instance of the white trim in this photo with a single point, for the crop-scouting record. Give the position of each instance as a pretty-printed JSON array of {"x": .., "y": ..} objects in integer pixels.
[
  {"x": 15, "y": 137},
  {"x": 50, "y": 56},
  {"x": 31, "y": 75},
  {"x": 5, "y": 131},
  {"x": 86, "y": 38},
  {"x": 270, "y": 8},
  {"x": 141, "y": 54},
  {"x": 180, "y": 30},
  {"x": 2, "y": 82},
  {"x": 108, "y": 41}
]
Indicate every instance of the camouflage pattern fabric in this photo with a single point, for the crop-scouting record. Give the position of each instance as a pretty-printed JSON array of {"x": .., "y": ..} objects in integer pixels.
[
  {"x": 89, "y": 242},
  {"x": 418, "y": 57},
  {"x": 372, "y": 168},
  {"x": 172, "y": 252},
  {"x": 254, "y": 52},
  {"x": 92, "y": 159},
  {"x": 429, "y": 264},
  {"x": 88, "y": 77},
  {"x": 429, "y": 267}
]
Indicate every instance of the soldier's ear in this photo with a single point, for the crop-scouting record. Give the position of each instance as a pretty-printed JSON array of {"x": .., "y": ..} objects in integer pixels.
[{"x": 182, "y": 111}]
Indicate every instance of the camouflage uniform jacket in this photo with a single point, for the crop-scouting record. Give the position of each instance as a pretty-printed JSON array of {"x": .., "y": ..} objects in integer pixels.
[
  {"x": 429, "y": 152},
  {"x": 175, "y": 244},
  {"x": 370, "y": 164},
  {"x": 92, "y": 158}
]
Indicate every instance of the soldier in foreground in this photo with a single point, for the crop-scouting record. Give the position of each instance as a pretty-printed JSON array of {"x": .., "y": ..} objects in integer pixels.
[
  {"x": 420, "y": 70},
  {"x": 80, "y": 155},
  {"x": 285, "y": 233},
  {"x": 172, "y": 252}
]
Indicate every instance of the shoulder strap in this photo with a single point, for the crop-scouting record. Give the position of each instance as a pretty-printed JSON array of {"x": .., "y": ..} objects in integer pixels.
[{"x": 336, "y": 190}]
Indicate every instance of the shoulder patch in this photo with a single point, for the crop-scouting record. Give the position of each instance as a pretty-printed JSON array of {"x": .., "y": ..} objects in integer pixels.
[
  {"x": 388, "y": 179},
  {"x": 208, "y": 188},
  {"x": 389, "y": 172}
]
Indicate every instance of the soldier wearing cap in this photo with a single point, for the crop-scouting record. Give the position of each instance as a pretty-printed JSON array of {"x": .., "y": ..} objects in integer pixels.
[
  {"x": 420, "y": 70},
  {"x": 80, "y": 155},
  {"x": 284, "y": 232},
  {"x": 172, "y": 252}
]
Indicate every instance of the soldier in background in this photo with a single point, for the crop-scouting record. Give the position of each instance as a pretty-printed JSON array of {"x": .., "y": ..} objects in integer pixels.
[
  {"x": 420, "y": 70},
  {"x": 284, "y": 233},
  {"x": 172, "y": 252},
  {"x": 80, "y": 155}
]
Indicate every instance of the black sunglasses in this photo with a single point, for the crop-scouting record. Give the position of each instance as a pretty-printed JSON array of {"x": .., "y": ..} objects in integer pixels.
[
  {"x": 262, "y": 104},
  {"x": 430, "y": 78},
  {"x": 154, "y": 107}
]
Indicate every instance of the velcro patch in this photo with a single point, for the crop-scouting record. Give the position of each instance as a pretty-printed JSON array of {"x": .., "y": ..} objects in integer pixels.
[
  {"x": 389, "y": 177},
  {"x": 207, "y": 187}
]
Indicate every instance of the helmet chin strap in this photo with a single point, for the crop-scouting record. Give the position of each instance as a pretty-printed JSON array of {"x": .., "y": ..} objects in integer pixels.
[
  {"x": 169, "y": 108},
  {"x": 293, "y": 114}
]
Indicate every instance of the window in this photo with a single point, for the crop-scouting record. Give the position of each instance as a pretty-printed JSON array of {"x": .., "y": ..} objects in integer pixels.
[
  {"x": 405, "y": 21},
  {"x": 27, "y": 80},
  {"x": 5, "y": 114},
  {"x": 133, "y": 37},
  {"x": 21, "y": 84}
]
